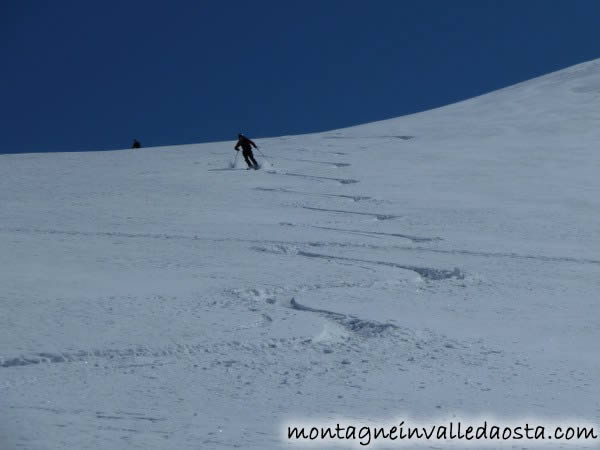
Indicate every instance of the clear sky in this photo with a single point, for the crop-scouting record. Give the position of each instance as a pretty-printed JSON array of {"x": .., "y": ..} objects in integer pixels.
[{"x": 92, "y": 75}]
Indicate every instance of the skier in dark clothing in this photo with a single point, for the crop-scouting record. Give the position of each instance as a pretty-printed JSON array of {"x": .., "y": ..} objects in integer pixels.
[
  {"x": 247, "y": 145},
  {"x": 136, "y": 144}
]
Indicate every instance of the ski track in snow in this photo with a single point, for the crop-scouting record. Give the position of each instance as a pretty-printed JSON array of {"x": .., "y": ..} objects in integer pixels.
[
  {"x": 215, "y": 353},
  {"x": 175, "y": 237},
  {"x": 312, "y": 161},
  {"x": 224, "y": 169},
  {"x": 378, "y": 233},
  {"x": 369, "y": 332},
  {"x": 355, "y": 198},
  {"x": 364, "y": 328},
  {"x": 341, "y": 211},
  {"x": 314, "y": 177},
  {"x": 425, "y": 272}
]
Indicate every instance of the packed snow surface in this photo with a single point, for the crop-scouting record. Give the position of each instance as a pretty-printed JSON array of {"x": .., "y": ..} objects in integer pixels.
[{"x": 444, "y": 263}]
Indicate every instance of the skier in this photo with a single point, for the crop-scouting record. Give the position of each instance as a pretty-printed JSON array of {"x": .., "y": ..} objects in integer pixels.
[
  {"x": 136, "y": 144},
  {"x": 247, "y": 145}
]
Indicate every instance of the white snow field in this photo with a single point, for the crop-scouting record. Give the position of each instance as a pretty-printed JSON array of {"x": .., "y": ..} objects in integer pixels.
[{"x": 442, "y": 264}]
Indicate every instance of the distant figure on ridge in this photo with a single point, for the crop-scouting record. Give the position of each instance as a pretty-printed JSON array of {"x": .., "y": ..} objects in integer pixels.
[
  {"x": 136, "y": 144},
  {"x": 247, "y": 145}
]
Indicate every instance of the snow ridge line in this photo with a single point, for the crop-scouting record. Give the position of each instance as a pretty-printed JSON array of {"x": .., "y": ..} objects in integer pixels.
[
  {"x": 175, "y": 350},
  {"x": 104, "y": 234},
  {"x": 415, "y": 239},
  {"x": 504, "y": 255},
  {"x": 174, "y": 237}
]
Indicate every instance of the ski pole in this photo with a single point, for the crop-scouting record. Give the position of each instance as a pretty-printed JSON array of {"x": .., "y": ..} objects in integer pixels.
[
  {"x": 235, "y": 159},
  {"x": 263, "y": 155}
]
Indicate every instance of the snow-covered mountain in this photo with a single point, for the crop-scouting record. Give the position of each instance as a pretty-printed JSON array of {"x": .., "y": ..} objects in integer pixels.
[{"x": 444, "y": 263}]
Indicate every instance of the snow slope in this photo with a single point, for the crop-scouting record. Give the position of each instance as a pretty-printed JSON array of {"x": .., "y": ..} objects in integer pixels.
[{"x": 442, "y": 263}]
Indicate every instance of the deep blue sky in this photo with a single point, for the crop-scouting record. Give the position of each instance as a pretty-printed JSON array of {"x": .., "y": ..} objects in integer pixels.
[{"x": 91, "y": 75}]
